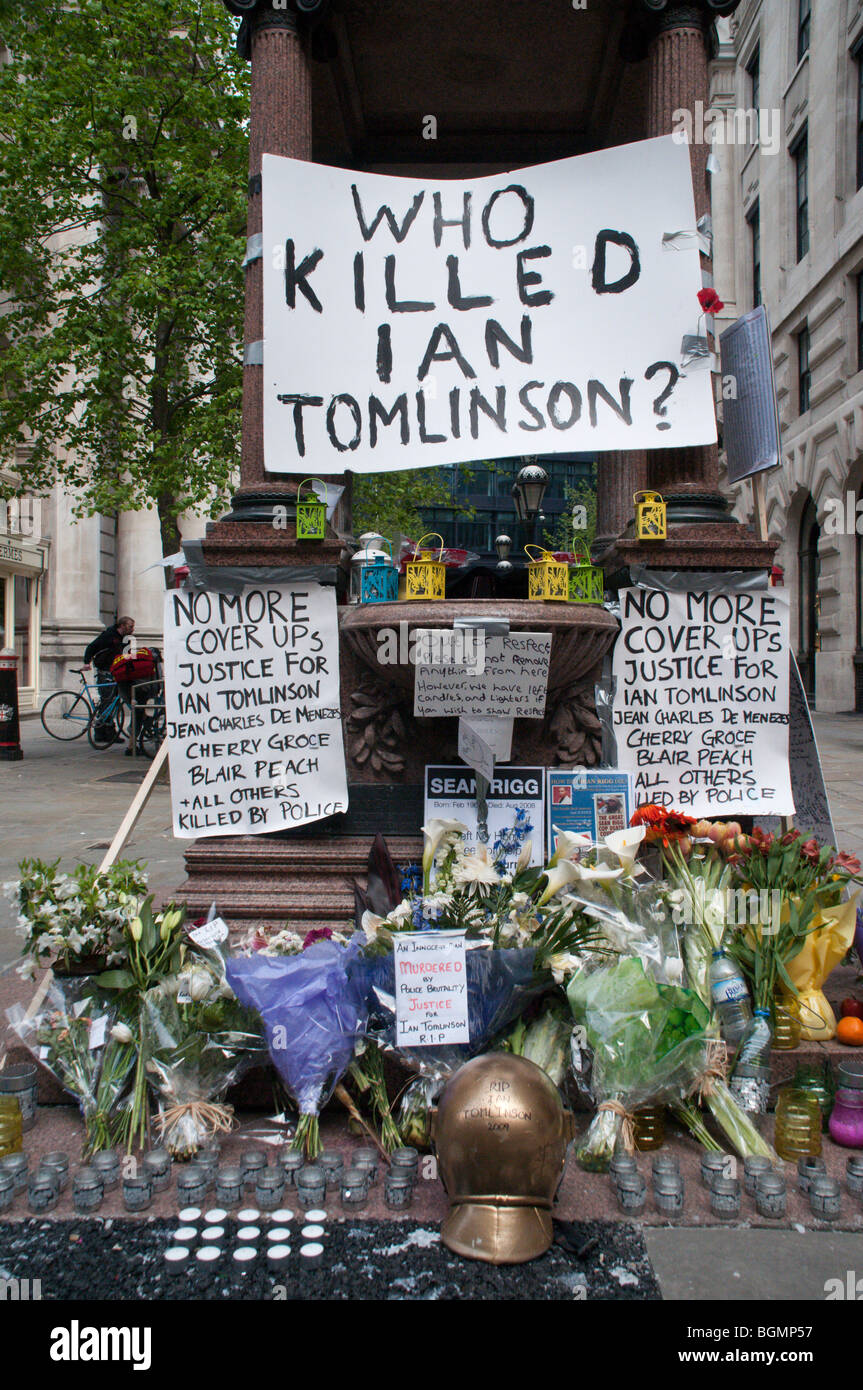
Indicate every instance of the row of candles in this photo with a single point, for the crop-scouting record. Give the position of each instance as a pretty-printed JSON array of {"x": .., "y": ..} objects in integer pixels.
[
  {"x": 251, "y": 1173},
  {"x": 761, "y": 1181}
]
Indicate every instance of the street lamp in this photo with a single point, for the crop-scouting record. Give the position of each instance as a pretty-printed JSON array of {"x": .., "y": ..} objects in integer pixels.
[{"x": 528, "y": 492}]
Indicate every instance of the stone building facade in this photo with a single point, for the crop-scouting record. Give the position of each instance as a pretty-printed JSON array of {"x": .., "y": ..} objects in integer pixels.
[{"x": 788, "y": 220}]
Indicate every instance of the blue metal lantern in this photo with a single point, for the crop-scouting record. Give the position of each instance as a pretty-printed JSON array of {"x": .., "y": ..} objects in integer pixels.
[{"x": 379, "y": 580}]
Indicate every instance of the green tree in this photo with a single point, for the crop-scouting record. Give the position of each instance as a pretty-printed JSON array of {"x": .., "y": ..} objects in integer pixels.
[
  {"x": 576, "y": 525},
  {"x": 390, "y": 502},
  {"x": 124, "y": 161}
]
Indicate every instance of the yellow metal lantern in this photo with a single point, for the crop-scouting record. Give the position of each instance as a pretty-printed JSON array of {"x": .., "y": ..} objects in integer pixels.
[
  {"x": 649, "y": 516},
  {"x": 586, "y": 581},
  {"x": 425, "y": 575},
  {"x": 311, "y": 512},
  {"x": 547, "y": 578}
]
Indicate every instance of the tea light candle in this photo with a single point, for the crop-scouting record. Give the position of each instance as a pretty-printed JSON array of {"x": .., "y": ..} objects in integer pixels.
[
  {"x": 176, "y": 1258},
  {"x": 311, "y": 1183},
  {"x": 208, "y": 1254},
  {"x": 190, "y": 1214},
  {"x": 107, "y": 1165},
  {"x": 247, "y": 1233},
  {"x": 398, "y": 1190},
  {"x": 192, "y": 1184},
  {"x": 252, "y": 1162},
  {"x": 366, "y": 1158},
  {"x": 714, "y": 1166},
  {"x": 754, "y": 1168},
  {"x": 184, "y": 1234},
  {"x": 290, "y": 1162},
  {"x": 209, "y": 1165},
  {"x": 355, "y": 1190},
  {"x": 825, "y": 1198},
  {"x": 668, "y": 1192},
  {"x": 622, "y": 1163},
  {"x": 725, "y": 1198},
  {"x": 21, "y": 1080},
  {"x": 137, "y": 1194},
  {"x": 16, "y": 1167},
  {"x": 87, "y": 1190},
  {"x": 157, "y": 1167},
  {"x": 771, "y": 1195},
  {"x": 312, "y": 1232},
  {"x": 42, "y": 1194},
  {"x": 7, "y": 1191},
  {"x": 214, "y": 1217},
  {"x": 316, "y": 1214},
  {"x": 664, "y": 1163},
  {"x": 312, "y": 1255},
  {"x": 60, "y": 1162},
  {"x": 229, "y": 1186},
  {"x": 405, "y": 1158},
  {"x": 631, "y": 1193},
  {"x": 248, "y": 1214},
  {"x": 332, "y": 1163},
  {"x": 213, "y": 1233},
  {"x": 278, "y": 1235},
  {"x": 854, "y": 1174},
  {"x": 283, "y": 1216},
  {"x": 244, "y": 1255},
  {"x": 808, "y": 1169},
  {"x": 269, "y": 1187},
  {"x": 277, "y": 1255}
]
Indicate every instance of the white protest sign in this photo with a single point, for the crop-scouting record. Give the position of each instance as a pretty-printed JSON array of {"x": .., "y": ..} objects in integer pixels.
[
  {"x": 431, "y": 989},
  {"x": 512, "y": 684},
  {"x": 701, "y": 702},
  {"x": 252, "y": 707},
  {"x": 414, "y": 321}
]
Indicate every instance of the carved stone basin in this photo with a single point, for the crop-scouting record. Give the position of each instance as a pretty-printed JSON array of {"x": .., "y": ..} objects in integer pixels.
[{"x": 581, "y": 633}]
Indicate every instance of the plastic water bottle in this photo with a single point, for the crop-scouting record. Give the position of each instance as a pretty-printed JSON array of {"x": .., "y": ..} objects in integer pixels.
[{"x": 730, "y": 998}]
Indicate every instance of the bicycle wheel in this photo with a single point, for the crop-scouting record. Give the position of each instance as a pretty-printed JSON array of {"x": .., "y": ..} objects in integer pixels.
[
  {"x": 106, "y": 729},
  {"x": 66, "y": 714},
  {"x": 152, "y": 734}
]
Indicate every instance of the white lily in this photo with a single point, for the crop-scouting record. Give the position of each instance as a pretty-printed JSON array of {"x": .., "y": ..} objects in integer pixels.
[
  {"x": 624, "y": 845},
  {"x": 433, "y": 835},
  {"x": 476, "y": 871},
  {"x": 601, "y": 874},
  {"x": 371, "y": 925},
  {"x": 559, "y": 876},
  {"x": 523, "y": 861},
  {"x": 121, "y": 1033},
  {"x": 568, "y": 845}
]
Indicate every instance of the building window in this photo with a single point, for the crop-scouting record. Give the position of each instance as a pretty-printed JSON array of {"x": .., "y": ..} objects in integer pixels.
[
  {"x": 754, "y": 220},
  {"x": 804, "y": 376},
  {"x": 804, "y": 19},
  {"x": 753, "y": 68},
  {"x": 800, "y": 155}
]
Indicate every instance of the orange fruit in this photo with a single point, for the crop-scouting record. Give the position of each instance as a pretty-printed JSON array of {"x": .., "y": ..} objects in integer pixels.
[{"x": 850, "y": 1031}]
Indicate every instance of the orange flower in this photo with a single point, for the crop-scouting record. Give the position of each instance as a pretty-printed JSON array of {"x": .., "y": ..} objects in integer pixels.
[{"x": 663, "y": 826}]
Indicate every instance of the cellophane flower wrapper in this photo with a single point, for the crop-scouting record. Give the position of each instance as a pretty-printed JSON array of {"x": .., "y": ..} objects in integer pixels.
[
  {"x": 195, "y": 1052},
  {"x": 58, "y": 1036},
  {"x": 313, "y": 1011},
  {"x": 500, "y": 985},
  {"x": 636, "y": 921},
  {"x": 648, "y": 1043}
]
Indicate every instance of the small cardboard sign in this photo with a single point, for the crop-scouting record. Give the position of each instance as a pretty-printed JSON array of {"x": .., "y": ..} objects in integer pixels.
[
  {"x": 431, "y": 989},
  {"x": 512, "y": 685}
]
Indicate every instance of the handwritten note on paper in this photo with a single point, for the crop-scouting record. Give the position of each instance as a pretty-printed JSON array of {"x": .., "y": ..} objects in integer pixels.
[
  {"x": 431, "y": 989},
  {"x": 513, "y": 684},
  {"x": 701, "y": 703}
]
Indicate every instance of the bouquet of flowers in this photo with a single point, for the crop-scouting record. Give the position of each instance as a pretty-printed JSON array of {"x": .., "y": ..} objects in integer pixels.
[
  {"x": 197, "y": 1040},
  {"x": 75, "y": 920},
  {"x": 313, "y": 1013},
  {"x": 90, "y": 1053}
]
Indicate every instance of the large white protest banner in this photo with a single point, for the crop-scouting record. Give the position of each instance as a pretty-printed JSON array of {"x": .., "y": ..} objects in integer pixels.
[
  {"x": 701, "y": 700},
  {"x": 252, "y": 706},
  {"x": 413, "y": 321}
]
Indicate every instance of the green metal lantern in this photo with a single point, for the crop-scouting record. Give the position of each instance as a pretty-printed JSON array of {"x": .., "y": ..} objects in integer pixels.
[
  {"x": 586, "y": 581},
  {"x": 311, "y": 512},
  {"x": 379, "y": 579}
]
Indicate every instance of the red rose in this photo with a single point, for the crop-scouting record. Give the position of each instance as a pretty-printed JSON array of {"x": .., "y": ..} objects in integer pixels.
[{"x": 317, "y": 934}]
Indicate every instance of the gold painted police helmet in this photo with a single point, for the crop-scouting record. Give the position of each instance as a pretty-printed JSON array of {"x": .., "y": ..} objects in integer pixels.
[{"x": 500, "y": 1133}]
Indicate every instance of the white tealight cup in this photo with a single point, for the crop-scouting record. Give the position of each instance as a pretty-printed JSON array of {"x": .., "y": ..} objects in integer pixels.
[
  {"x": 215, "y": 1217},
  {"x": 315, "y": 1216},
  {"x": 248, "y": 1214},
  {"x": 278, "y": 1235},
  {"x": 213, "y": 1233},
  {"x": 244, "y": 1254},
  {"x": 208, "y": 1253},
  {"x": 189, "y": 1214},
  {"x": 184, "y": 1234},
  {"x": 282, "y": 1216},
  {"x": 247, "y": 1233},
  {"x": 311, "y": 1255},
  {"x": 278, "y": 1254},
  {"x": 312, "y": 1232},
  {"x": 176, "y": 1256}
]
